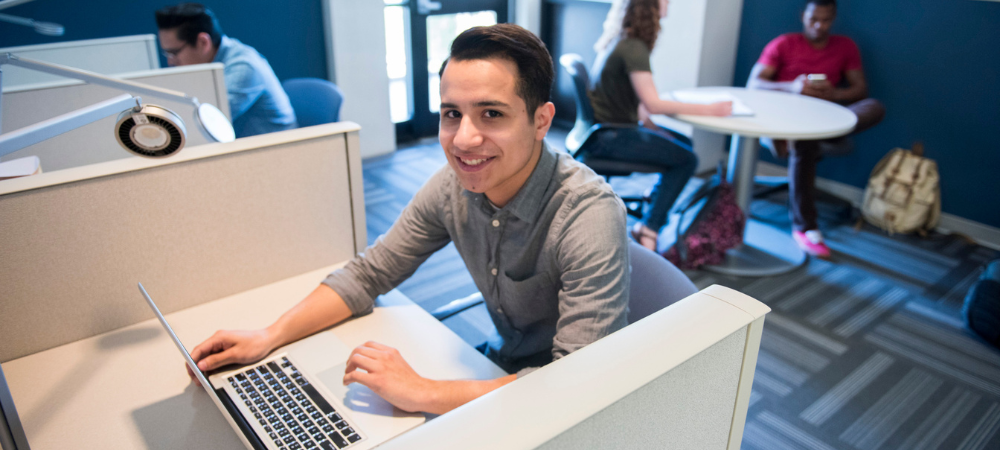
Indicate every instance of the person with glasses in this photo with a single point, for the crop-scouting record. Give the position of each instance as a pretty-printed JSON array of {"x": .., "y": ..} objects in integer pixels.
[{"x": 190, "y": 34}]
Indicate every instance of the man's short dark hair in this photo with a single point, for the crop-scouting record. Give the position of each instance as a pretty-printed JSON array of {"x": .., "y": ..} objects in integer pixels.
[
  {"x": 513, "y": 43},
  {"x": 190, "y": 20},
  {"x": 815, "y": 3}
]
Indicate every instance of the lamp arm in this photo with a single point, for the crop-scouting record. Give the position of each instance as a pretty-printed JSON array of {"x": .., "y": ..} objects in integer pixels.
[
  {"x": 8, "y": 3},
  {"x": 98, "y": 79},
  {"x": 33, "y": 134}
]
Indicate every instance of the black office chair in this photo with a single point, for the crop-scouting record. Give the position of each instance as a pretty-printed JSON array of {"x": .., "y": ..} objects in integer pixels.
[{"x": 585, "y": 133}]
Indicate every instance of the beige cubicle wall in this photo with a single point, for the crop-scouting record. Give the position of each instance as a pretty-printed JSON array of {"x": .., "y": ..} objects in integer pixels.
[
  {"x": 96, "y": 143},
  {"x": 105, "y": 56},
  {"x": 210, "y": 222}
]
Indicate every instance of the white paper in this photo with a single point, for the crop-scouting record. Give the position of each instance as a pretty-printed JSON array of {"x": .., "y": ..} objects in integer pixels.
[
  {"x": 21, "y": 167},
  {"x": 706, "y": 97}
]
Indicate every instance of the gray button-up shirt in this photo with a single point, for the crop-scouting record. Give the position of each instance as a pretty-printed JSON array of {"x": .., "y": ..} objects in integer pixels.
[{"x": 552, "y": 264}]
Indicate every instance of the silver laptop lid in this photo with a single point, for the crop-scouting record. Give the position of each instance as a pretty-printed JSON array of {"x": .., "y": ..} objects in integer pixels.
[{"x": 187, "y": 356}]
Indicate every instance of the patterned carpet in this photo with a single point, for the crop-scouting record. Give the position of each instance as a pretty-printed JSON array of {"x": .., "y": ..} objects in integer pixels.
[{"x": 865, "y": 351}]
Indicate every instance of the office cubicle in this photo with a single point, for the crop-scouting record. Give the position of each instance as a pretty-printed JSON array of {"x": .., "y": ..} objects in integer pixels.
[
  {"x": 105, "y": 56},
  {"x": 222, "y": 226},
  {"x": 95, "y": 143}
]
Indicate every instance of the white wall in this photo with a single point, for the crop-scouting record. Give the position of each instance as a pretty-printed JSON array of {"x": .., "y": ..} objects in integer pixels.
[
  {"x": 697, "y": 47},
  {"x": 355, "y": 42}
]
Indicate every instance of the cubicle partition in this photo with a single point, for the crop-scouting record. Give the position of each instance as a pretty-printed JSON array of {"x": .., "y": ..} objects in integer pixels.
[
  {"x": 105, "y": 56},
  {"x": 213, "y": 221},
  {"x": 95, "y": 143}
]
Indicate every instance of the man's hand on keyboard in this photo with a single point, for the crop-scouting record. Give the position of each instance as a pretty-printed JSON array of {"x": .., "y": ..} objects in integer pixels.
[{"x": 231, "y": 347}]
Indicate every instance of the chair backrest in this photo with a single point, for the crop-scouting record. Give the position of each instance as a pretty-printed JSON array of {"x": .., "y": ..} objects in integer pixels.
[
  {"x": 315, "y": 101},
  {"x": 577, "y": 70},
  {"x": 656, "y": 283}
]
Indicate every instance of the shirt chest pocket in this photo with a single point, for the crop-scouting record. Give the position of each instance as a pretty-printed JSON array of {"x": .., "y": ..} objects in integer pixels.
[{"x": 528, "y": 300}]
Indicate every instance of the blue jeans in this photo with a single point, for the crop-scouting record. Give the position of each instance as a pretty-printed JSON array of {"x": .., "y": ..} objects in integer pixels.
[{"x": 666, "y": 152}]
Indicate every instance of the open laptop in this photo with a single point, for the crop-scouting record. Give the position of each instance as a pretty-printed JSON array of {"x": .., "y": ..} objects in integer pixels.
[{"x": 294, "y": 400}]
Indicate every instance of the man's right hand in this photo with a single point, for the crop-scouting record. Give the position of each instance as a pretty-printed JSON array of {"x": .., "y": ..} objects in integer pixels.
[{"x": 231, "y": 347}]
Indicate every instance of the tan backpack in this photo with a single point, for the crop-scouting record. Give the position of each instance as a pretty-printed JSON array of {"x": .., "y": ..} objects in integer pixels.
[{"x": 903, "y": 193}]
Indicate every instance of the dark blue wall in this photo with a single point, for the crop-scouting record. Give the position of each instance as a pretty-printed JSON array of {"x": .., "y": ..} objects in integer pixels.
[
  {"x": 288, "y": 33},
  {"x": 936, "y": 66}
]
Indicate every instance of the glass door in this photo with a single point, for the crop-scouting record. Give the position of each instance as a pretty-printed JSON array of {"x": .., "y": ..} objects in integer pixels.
[{"x": 418, "y": 38}]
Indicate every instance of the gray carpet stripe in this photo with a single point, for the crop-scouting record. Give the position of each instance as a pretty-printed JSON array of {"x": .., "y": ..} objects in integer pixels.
[
  {"x": 845, "y": 302},
  {"x": 804, "y": 333},
  {"x": 842, "y": 393},
  {"x": 955, "y": 340},
  {"x": 900, "y": 248},
  {"x": 793, "y": 351},
  {"x": 781, "y": 369},
  {"x": 792, "y": 432},
  {"x": 950, "y": 355},
  {"x": 891, "y": 262},
  {"x": 794, "y": 283},
  {"x": 929, "y": 362},
  {"x": 880, "y": 421},
  {"x": 873, "y": 311},
  {"x": 960, "y": 288},
  {"x": 831, "y": 278},
  {"x": 760, "y": 438},
  {"x": 766, "y": 381},
  {"x": 983, "y": 431},
  {"x": 937, "y": 316},
  {"x": 941, "y": 422},
  {"x": 755, "y": 396}
]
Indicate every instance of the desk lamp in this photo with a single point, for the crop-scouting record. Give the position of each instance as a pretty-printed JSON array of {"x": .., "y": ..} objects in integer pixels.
[
  {"x": 146, "y": 130},
  {"x": 46, "y": 28}
]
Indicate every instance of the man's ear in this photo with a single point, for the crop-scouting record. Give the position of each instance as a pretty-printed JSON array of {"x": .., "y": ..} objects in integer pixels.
[
  {"x": 204, "y": 43},
  {"x": 543, "y": 119}
]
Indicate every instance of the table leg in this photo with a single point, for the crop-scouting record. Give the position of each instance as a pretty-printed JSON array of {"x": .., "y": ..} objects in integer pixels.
[{"x": 766, "y": 250}]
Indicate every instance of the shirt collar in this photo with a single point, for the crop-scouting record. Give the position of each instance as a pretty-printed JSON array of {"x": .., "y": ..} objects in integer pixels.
[
  {"x": 527, "y": 203},
  {"x": 224, "y": 45}
]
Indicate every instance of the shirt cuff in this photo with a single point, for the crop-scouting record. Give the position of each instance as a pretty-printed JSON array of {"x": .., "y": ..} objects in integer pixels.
[{"x": 351, "y": 291}]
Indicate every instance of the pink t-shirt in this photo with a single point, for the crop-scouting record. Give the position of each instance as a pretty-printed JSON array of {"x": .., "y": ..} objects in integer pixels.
[{"x": 792, "y": 56}]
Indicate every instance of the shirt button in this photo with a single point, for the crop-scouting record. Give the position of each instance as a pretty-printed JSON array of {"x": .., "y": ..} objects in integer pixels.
[
  {"x": 494, "y": 271},
  {"x": 496, "y": 223}
]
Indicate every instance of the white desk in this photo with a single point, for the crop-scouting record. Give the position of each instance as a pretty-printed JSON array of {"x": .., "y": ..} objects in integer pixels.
[
  {"x": 779, "y": 115},
  {"x": 128, "y": 388}
]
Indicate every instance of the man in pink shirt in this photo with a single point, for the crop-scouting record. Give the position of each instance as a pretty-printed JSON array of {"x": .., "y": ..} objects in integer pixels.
[{"x": 786, "y": 65}]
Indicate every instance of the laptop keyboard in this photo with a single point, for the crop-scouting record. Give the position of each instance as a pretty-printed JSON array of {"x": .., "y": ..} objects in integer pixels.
[{"x": 290, "y": 410}]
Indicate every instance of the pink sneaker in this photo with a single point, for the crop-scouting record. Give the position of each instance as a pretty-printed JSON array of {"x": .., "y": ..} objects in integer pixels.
[{"x": 811, "y": 242}]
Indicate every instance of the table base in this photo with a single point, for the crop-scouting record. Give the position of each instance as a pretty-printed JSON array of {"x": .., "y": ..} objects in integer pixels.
[{"x": 765, "y": 251}]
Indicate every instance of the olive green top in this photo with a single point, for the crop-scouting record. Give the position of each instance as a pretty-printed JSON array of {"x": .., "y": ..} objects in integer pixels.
[{"x": 613, "y": 97}]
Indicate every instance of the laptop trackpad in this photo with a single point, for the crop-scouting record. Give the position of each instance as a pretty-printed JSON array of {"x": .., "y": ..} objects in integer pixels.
[{"x": 355, "y": 397}]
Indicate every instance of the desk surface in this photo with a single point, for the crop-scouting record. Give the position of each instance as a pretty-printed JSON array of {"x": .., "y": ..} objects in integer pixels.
[
  {"x": 779, "y": 115},
  {"x": 127, "y": 388}
]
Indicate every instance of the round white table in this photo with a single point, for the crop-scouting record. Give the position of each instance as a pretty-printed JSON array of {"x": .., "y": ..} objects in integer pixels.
[{"x": 767, "y": 250}]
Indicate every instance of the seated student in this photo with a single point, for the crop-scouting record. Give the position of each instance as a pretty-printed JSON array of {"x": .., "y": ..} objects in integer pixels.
[
  {"x": 542, "y": 235},
  {"x": 784, "y": 65},
  {"x": 190, "y": 34},
  {"x": 623, "y": 92}
]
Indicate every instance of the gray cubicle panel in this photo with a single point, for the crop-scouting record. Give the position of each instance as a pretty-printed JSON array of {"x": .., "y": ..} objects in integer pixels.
[
  {"x": 105, "y": 56},
  {"x": 678, "y": 379},
  {"x": 210, "y": 222},
  {"x": 95, "y": 143}
]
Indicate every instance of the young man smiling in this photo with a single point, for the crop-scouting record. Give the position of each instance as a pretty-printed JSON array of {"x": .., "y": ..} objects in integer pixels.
[{"x": 542, "y": 236}]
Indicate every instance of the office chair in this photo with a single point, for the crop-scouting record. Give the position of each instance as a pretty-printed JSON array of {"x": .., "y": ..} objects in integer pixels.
[
  {"x": 585, "y": 134},
  {"x": 314, "y": 100},
  {"x": 765, "y": 185},
  {"x": 656, "y": 284}
]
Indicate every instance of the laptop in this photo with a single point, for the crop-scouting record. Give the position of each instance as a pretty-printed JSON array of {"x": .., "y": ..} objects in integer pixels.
[{"x": 294, "y": 399}]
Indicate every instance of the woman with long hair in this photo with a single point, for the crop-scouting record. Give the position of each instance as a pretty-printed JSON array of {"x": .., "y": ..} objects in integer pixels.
[{"x": 623, "y": 92}]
